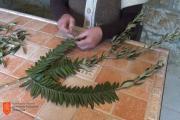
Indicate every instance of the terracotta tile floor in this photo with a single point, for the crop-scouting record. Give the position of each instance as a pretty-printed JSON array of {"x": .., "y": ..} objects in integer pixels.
[{"x": 138, "y": 103}]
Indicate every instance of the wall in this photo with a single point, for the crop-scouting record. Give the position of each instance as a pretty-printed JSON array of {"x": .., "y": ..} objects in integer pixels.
[{"x": 161, "y": 17}]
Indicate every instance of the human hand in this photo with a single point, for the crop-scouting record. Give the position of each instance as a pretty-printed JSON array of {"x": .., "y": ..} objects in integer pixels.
[
  {"x": 66, "y": 23},
  {"x": 90, "y": 38}
]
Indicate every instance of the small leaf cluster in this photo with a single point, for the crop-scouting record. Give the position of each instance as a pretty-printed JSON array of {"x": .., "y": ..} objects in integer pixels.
[
  {"x": 10, "y": 40},
  {"x": 133, "y": 53},
  {"x": 141, "y": 78},
  {"x": 126, "y": 34}
]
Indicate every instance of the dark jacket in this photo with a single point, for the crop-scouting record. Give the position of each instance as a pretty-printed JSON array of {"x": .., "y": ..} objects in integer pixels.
[{"x": 108, "y": 16}]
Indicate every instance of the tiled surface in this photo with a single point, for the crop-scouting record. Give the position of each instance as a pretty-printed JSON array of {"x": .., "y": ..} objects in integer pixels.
[
  {"x": 130, "y": 108},
  {"x": 21, "y": 20},
  {"x": 35, "y": 25},
  {"x": 49, "y": 28},
  {"x": 138, "y": 103},
  {"x": 53, "y": 43}
]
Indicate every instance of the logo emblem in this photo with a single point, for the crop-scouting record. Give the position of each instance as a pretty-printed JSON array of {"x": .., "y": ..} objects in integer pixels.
[{"x": 6, "y": 107}]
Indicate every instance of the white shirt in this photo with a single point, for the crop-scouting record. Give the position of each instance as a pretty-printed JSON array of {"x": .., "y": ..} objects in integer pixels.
[
  {"x": 128, "y": 3},
  {"x": 90, "y": 10}
]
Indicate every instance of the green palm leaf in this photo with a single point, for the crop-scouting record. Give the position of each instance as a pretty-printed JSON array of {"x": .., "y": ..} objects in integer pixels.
[{"x": 59, "y": 94}]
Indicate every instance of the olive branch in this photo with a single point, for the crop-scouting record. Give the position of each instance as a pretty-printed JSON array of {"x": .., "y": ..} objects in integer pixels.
[
  {"x": 126, "y": 34},
  {"x": 44, "y": 79},
  {"x": 11, "y": 40},
  {"x": 132, "y": 53}
]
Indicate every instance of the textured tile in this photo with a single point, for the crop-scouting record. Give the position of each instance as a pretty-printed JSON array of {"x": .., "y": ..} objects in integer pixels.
[
  {"x": 142, "y": 91},
  {"x": 137, "y": 67},
  {"x": 76, "y": 81},
  {"x": 16, "y": 115},
  {"x": 112, "y": 75},
  {"x": 38, "y": 37},
  {"x": 88, "y": 114},
  {"x": 2, "y": 14},
  {"x": 35, "y": 25},
  {"x": 51, "y": 111},
  {"x": 4, "y": 79},
  {"x": 30, "y": 48},
  {"x": 21, "y": 71},
  {"x": 7, "y": 17},
  {"x": 106, "y": 107},
  {"x": 119, "y": 64},
  {"x": 52, "y": 29},
  {"x": 86, "y": 53},
  {"x": 21, "y": 20},
  {"x": 22, "y": 101},
  {"x": 130, "y": 108},
  {"x": 158, "y": 81},
  {"x": 34, "y": 106},
  {"x": 154, "y": 105},
  {"x": 150, "y": 56},
  {"x": 10, "y": 93},
  {"x": 53, "y": 43},
  {"x": 40, "y": 52},
  {"x": 12, "y": 62}
]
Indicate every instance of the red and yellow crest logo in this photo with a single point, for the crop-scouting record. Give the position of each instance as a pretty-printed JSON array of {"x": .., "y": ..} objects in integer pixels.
[{"x": 6, "y": 107}]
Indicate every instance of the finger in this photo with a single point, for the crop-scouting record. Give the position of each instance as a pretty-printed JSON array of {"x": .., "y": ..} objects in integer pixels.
[
  {"x": 83, "y": 42},
  {"x": 82, "y": 36},
  {"x": 83, "y": 47},
  {"x": 63, "y": 29},
  {"x": 71, "y": 24},
  {"x": 62, "y": 25}
]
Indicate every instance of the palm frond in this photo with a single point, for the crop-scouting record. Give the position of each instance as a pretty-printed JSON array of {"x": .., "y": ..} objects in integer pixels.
[{"x": 75, "y": 96}]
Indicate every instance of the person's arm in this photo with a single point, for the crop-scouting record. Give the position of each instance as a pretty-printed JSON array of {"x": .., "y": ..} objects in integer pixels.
[
  {"x": 59, "y": 7},
  {"x": 127, "y": 15}
]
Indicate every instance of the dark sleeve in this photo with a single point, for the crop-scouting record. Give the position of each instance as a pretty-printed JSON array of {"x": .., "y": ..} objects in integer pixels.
[
  {"x": 117, "y": 27},
  {"x": 59, "y": 7}
]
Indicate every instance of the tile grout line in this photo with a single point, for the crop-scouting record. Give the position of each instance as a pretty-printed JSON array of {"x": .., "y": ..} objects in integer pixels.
[
  {"x": 40, "y": 44},
  {"x": 133, "y": 96},
  {"x": 26, "y": 22},
  {"x": 109, "y": 114}
]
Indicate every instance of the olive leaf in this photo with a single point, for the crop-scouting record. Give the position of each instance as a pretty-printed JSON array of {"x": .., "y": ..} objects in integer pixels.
[
  {"x": 127, "y": 84},
  {"x": 10, "y": 40}
]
